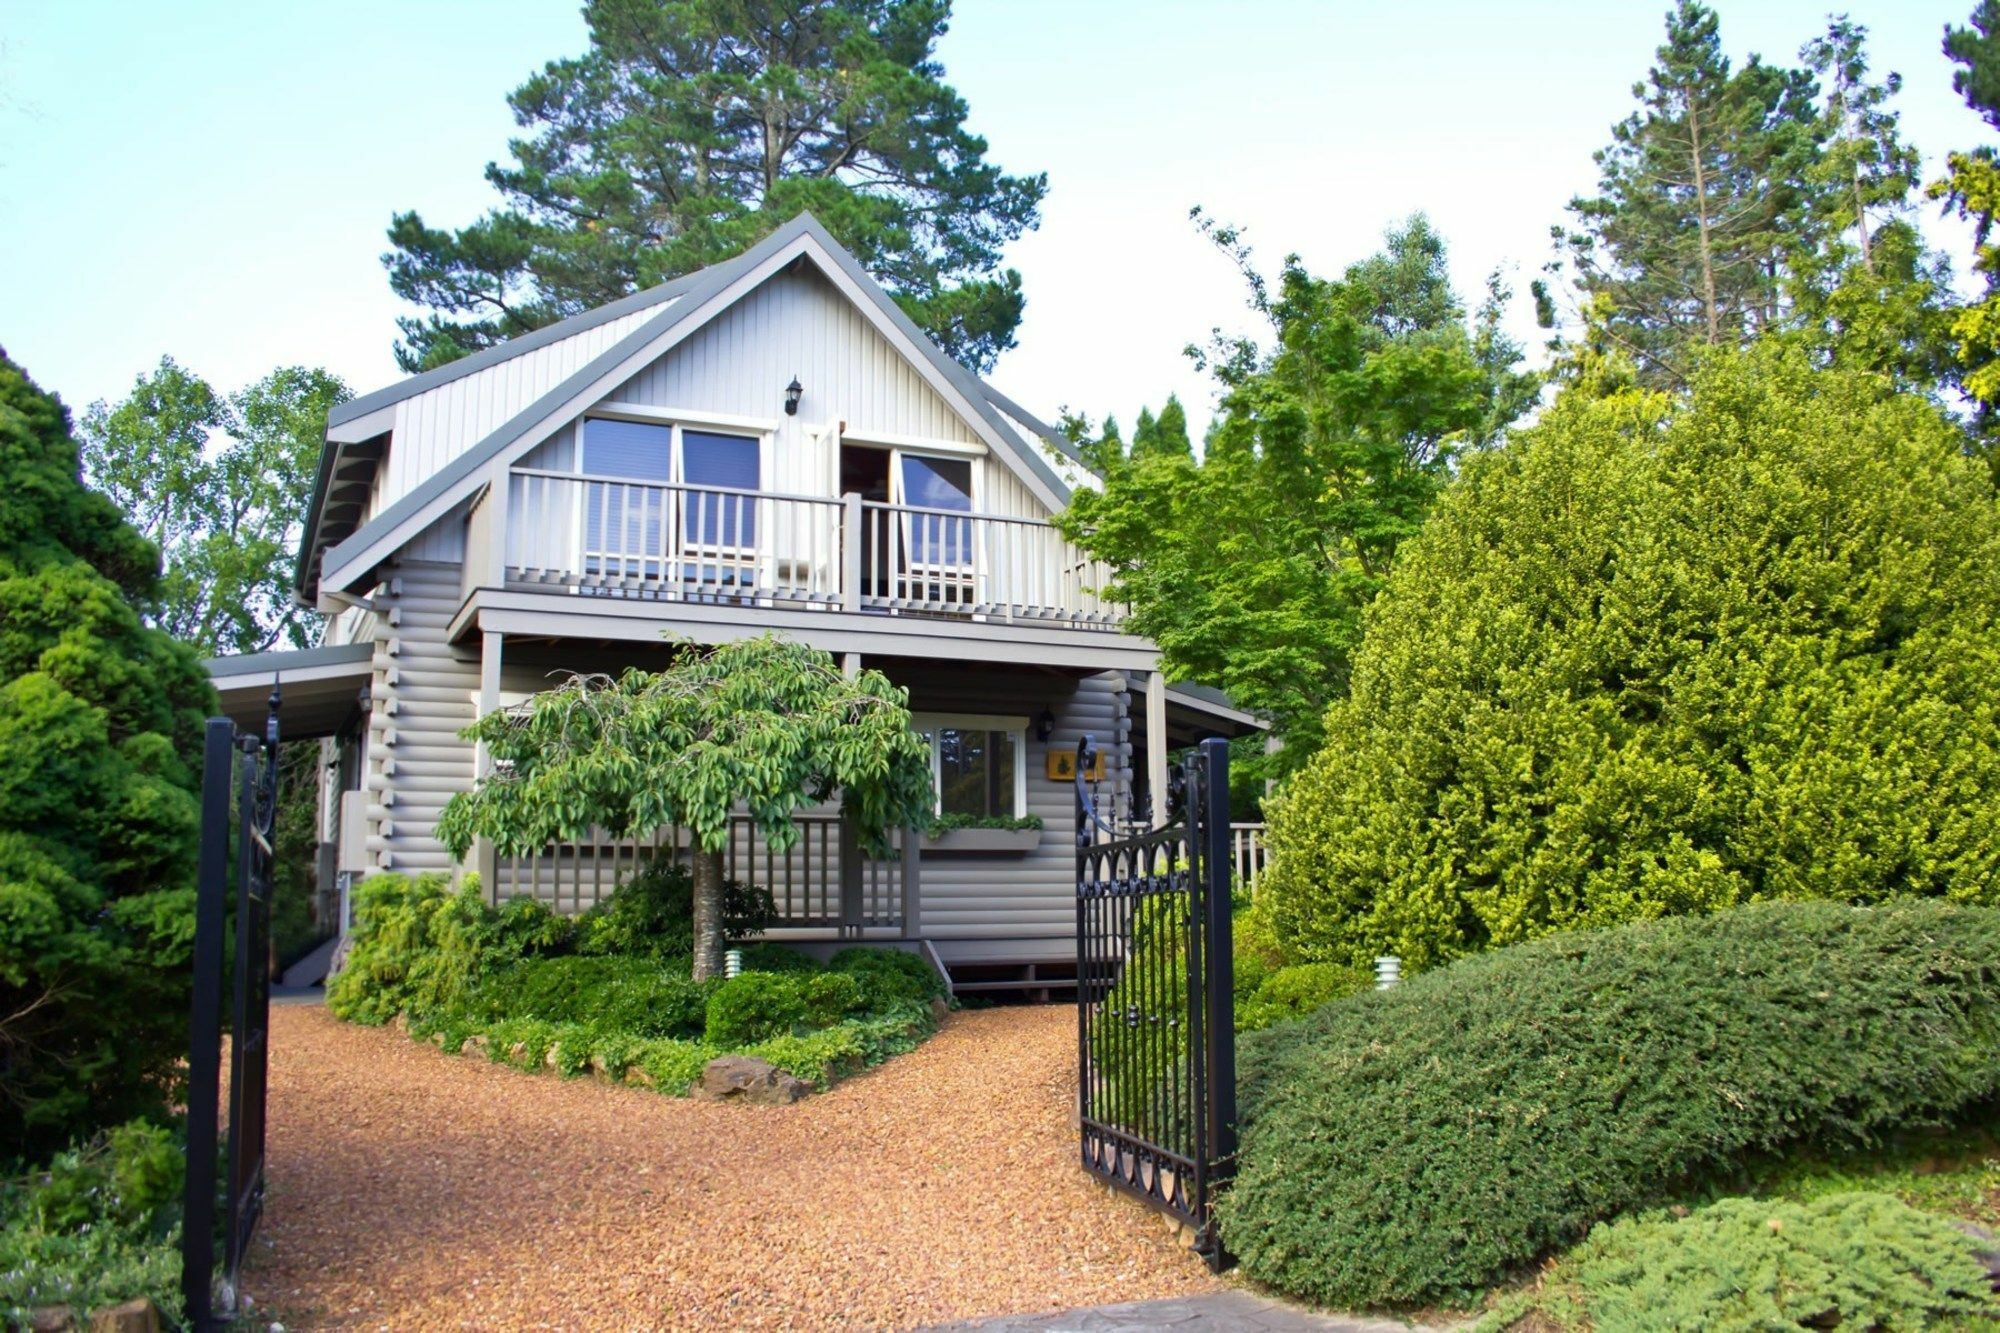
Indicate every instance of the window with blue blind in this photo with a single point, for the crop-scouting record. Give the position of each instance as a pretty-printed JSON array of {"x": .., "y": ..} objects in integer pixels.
[
  {"x": 626, "y": 512},
  {"x": 727, "y": 462}
]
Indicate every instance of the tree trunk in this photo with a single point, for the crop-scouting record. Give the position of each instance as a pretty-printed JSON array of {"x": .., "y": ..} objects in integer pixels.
[
  {"x": 1861, "y": 224},
  {"x": 707, "y": 914},
  {"x": 1708, "y": 299}
]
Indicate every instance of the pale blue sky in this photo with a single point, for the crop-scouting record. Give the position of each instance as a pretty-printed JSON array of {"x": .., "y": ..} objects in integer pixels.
[{"x": 212, "y": 180}]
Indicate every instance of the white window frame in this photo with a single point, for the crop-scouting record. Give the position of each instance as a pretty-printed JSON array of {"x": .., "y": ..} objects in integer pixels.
[
  {"x": 929, "y": 724},
  {"x": 674, "y": 422}
]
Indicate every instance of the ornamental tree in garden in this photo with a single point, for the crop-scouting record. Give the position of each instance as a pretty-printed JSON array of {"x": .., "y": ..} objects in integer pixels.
[
  {"x": 1665, "y": 655},
  {"x": 98, "y": 811},
  {"x": 764, "y": 724}
]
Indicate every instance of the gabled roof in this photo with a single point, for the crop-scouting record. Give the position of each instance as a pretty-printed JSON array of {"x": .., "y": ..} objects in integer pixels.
[{"x": 680, "y": 307}]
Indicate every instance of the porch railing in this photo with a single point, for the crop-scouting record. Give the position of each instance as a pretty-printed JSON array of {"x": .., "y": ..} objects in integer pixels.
[
  {"x": 670, "y": 541},
  {"x": 806, "y": 883},
  {"x": 1248, "y": 855}
]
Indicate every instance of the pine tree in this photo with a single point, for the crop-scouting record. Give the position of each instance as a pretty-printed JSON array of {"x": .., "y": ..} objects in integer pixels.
[
  {"x": 690, "y": 129},
  {"x": 1699, "y": 199}
]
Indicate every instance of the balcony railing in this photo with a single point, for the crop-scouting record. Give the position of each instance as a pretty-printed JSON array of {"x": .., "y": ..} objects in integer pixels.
[{"x": 719, "y": 545}]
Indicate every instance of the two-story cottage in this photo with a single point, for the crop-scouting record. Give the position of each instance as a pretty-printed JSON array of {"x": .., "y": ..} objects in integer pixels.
[{"x": 767, "y": 445}]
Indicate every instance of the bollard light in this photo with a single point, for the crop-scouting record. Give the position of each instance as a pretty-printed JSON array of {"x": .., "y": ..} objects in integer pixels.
[
  {"x": 732, "y": 962},
  {"x": 1388, "y": 971}
]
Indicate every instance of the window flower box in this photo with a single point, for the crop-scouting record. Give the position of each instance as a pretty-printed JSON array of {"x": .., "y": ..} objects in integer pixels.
[{"x": 1006, "y": 841}]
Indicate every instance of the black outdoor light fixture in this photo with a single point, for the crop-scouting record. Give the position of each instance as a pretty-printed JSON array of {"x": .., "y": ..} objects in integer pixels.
[
  {"x": 792, "y": 392},
  {"x": 1045, "y": 725}
]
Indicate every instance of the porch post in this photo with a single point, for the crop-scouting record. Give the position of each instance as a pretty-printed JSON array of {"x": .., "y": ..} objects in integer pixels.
[
  {"x": 850, "y": 874},
  {"x": 850, "y": 665},
  {"x": 1156, "y": 745},
  {"x": 484, "y": 861},
  {"x": 913, "y": 907}
]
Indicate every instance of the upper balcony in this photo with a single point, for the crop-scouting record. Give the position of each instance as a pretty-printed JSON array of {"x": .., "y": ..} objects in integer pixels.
[{"x": 715, "y": 546}]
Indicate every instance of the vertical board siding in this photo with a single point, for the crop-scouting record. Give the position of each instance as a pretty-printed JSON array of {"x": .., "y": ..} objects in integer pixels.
[
  {"x": 434, "y": 427},
  {"x": 797, "y": 324},
  {"x": 421, "y": 698}
]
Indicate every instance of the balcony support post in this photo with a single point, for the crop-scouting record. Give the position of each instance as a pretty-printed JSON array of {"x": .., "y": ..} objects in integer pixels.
[
  {"x": 850, "y": 552},
  {"x": 484, "y": 860}
]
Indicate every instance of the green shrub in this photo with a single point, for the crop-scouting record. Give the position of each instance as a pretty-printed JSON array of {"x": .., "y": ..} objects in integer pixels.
[
  {"x": 631, "y": 995},
  {"x": 100, "y": 723},
  {"x": 1255, "y": 950},
  {"x": 757, "y": 1006},
  {"x": 1862, "y": 1261},
  {"x": 1419, "y": 1143},
  {"x": 1658, "y": 658},
  {"x": 652, "y": 914},
  {"x": 1293, "y": 992},
  {"x": 890, "y": 977},
  {"x": 99, "y": 1225},
  {"x": 1139, "y": 1038},
  {"x": 767, "y": 957},
  {"x": 415, "y": 948}
]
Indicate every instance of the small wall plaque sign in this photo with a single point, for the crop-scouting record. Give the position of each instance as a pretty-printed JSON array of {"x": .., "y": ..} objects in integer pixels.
[{"x": 1062, "y": 765}]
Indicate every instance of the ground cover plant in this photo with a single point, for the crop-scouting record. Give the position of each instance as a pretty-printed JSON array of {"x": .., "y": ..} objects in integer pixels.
[
  {"x": 1853, "y": 1260},
  {"x": 612, "y": 991},
  {"x": 98, "y": 1225},
  {"x": 1422, "y": 1143}
]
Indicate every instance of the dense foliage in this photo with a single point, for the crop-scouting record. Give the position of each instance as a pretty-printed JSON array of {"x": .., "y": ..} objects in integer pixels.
[
  {"x": 599, "y": 993},
  {"x": 99, "y": 1225},
  {"x": 1420, "y": 1143},
  {"x": 765, "y": 725},
  {"x": 1250, "y": 562},
  {"x": 1746, "y": 1265},
  {"x": 98, "y": 714},
  {"x": 1663, "y": 656},
  {"x": 691, "y": 129}
]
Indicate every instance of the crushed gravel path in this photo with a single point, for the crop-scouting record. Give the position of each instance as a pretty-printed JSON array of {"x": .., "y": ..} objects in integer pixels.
[{"x": 409, "y": 1188}]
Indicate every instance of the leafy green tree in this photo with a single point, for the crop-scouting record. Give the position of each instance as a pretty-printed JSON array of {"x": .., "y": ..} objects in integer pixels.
[
  {"x": 1664, "y": 655},
  {"x": 1250, "y": 564},
  {"x": 97, "y": 805},
  {"x": 765, "y": 724},
  {"x": 220, "y": 487},
  {"x": 690, "y": 129}
]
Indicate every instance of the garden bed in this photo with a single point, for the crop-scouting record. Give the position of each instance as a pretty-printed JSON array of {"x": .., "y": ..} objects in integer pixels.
[{"x": 610, "y": 993}]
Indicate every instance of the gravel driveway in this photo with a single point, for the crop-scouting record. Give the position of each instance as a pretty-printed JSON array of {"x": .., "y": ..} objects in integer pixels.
[{"x": 414, "y": 1189}]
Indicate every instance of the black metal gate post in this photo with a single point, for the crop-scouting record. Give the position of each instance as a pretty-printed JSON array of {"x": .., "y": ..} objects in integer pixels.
[
  {"x": 1156, "y": 1039},
  {"x": 1219, "y": 980},
  {"x": 243, "y": 1202},
  {"x": 205, "y": 1026}
]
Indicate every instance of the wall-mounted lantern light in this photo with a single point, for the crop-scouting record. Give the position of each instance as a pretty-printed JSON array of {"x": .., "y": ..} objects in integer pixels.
[
  {"x": 792, "y": 392},
  {"x": 1045, "y": 725}
]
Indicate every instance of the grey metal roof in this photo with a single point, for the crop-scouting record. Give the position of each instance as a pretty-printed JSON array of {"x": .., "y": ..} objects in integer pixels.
[
  {"x": 512, "y": 347},
  {"x": 285, "y": 661},
  {"x": 1058, "y": 441},
  {"x": 693, "y": 292}
]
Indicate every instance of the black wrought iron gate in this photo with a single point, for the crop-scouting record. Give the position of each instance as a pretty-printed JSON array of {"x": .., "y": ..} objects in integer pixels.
[
  {"x": 250, "y": 764},
  {"x": 1156, "y": 1040}
]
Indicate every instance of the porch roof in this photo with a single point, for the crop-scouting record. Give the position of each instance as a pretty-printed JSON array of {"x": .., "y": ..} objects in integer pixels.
[
  {"x": 319, "y": 689},
  {"x": 1197, "y": 711}
]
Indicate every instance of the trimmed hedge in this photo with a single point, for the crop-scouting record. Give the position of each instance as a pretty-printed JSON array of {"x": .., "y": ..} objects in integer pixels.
[
  {"x": 1745, "y": 1265},
  {"x": 1420, "y": 1143}
]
